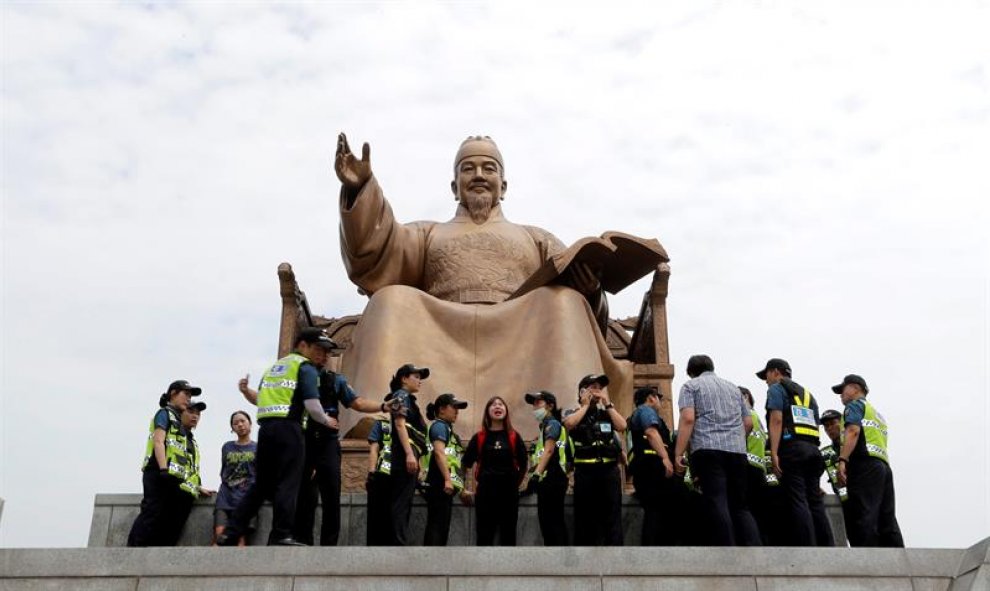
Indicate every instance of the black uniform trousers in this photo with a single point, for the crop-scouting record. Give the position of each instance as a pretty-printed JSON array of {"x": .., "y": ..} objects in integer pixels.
[
  {"x": 777, "y": 532},
  {"x": 871, "y": 519},
  {"x": 279, "y": 458},
  {"x": 758, "y": 501},
  {"x": 805, "y": 519},
  {"x": 379, "y": 526},
  {"x": 597, "y": 504},
  {"x": 321, "y": 474},
  {"x": 439, "y": 506},
  {"x": 164, "y": 511},
  {"x": 496, "y": 507},
  {"x": 402, "y": 488},
  {"x": 550, "y": 493},
  {"x": 722, "y": 478},
  {"x": 655, "y": 493}
]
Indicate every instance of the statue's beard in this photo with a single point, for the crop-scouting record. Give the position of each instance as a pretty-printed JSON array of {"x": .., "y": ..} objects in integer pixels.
[{"x": 478, "y": 206}]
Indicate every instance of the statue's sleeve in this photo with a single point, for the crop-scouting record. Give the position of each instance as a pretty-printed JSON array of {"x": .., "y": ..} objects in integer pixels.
[
  {"x": 377, "y": 250},
  {"x": 550, "y": 245}
]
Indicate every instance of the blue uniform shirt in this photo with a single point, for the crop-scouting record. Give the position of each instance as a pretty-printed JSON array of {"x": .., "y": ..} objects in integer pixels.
[
  {"x": 643, "y": 418},
  {"x": 161, "y": 419},
  {"x": 440, "y": 431},
  {"x": 854, "y": 413},
  {"x": 776, "y": 397},
  {"x": 377, "y": 435},
  {"x": 552, "y": 429}
]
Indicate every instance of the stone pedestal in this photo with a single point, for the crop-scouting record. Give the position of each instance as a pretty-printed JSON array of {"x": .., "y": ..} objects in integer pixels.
[{"x": 114, "y": 514}]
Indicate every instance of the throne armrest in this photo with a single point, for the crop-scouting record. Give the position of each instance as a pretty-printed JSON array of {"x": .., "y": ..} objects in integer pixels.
[
  {"x": 649, "y": 344},
  {"x": 295, "y": 309}
]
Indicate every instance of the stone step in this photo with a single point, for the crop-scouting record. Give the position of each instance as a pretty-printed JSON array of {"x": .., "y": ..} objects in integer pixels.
[{"x": 466, "y": 568}]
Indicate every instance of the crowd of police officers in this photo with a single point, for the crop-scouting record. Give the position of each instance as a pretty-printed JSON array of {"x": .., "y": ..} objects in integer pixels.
[{"x": 299, "y": 458}]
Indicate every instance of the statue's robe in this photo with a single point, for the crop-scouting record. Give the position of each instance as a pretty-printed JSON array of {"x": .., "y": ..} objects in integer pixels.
[{"x": 439, "y": 298}]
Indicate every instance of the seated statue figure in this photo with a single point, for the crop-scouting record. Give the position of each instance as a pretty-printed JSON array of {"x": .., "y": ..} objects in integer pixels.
[{"x": 440, "y": 295}]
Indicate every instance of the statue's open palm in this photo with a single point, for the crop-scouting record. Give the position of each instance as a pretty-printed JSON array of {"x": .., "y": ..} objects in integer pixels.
[{"x": 351, "y": 171}]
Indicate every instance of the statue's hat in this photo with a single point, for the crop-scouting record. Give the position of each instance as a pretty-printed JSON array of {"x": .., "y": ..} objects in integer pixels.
[{"x": 479, "y": 145}]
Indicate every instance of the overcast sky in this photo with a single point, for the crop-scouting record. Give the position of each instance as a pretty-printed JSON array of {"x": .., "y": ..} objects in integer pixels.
[{"x": 817, "y": 175}]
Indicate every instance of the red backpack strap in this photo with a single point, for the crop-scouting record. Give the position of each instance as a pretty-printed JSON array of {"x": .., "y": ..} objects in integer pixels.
[
  {"x": 513, "y": 441},
  {"x": 481, "y": 446}
]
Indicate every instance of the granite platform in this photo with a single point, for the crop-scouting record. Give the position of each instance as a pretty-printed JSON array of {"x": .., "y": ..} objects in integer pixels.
[{"x": 113, "y": 515}]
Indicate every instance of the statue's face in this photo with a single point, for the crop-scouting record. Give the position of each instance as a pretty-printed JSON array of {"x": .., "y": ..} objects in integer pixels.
[{"x": 479, "y": 185}]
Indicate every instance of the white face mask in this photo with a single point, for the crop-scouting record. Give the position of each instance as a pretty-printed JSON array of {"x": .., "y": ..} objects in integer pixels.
[{"x": 540, "y": 413}]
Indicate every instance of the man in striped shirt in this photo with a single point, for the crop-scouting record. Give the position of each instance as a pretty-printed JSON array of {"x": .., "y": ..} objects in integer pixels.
[{"x": 714, "y": 420}]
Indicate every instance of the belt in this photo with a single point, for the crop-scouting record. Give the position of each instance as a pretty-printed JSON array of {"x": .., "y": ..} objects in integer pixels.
[{"x": 480, "y": 296}]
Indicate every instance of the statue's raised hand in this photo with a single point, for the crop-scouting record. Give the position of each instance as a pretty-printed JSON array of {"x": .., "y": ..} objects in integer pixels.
[{"x": 351, "y": 171}]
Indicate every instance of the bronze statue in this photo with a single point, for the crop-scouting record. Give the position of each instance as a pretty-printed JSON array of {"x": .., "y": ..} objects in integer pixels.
[{"x": 441, "y": 293}]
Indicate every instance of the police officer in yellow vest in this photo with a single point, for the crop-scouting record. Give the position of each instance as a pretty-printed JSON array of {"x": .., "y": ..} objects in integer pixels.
[
  {"x": 444, "y": 477},
  {"x": 792, "y": 418},
  {"x": 593, "y": 431},
  {"x": 379, "y": 522},
  {"x": 288, "y": 389},
  {"x": 193, "y": 484},
  {"x": 549, "y": 462},
  {"x": 864, "y": 467},
  {"x": 758, "y": 493},
  {"x": 166, "y": 466}
]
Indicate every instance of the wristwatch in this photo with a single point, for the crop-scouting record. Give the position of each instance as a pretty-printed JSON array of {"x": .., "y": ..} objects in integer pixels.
[{"x": 609, "y": 406}]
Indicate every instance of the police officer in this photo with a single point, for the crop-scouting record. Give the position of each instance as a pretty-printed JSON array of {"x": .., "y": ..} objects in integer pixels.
[
  {"x": 592, "y": 430},
  {"x": 289, "y": 387},
  {"x": 832, "y": 423},
  {"x": 864, "y": 467},
  {"x": 652, "y": 470},
  {"x": 322, "y": 469},
  {"x": 192, "y": 486},
  {"x": 756, "y": 472},
  {"x": 792, "y": 415},
  {"x": 166, "y": 466},
  {"x": 377, "y": 484},
  {"x": 408, "y": 446},
  {"x": 549, "y": 461},
  {"x": 444, "y": 479}
]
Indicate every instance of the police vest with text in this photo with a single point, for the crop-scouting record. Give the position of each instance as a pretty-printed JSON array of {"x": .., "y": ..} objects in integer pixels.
[
  {"x": 192, "y": 482},
  {"x": 560, "y": 446},
  {"x": 453, "y": 451},
  {"x": 873, "y": 439},
  {"x": 799, "y": 414},
  {"x": 178, "y": 460},
  {"x": 383, "y": 465},
  {"x": 831, "y": 458},
  {"x": 756, "y": 444},
  {"x": 593, "y": 440},
  {"x": 278, "y": 387}
]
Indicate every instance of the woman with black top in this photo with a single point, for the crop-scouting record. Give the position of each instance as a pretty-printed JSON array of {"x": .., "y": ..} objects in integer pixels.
[
  {"x": 550, "y": 468},
  {"x": 443, "y": 476},
  {"x": 500, "y": 455}
]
